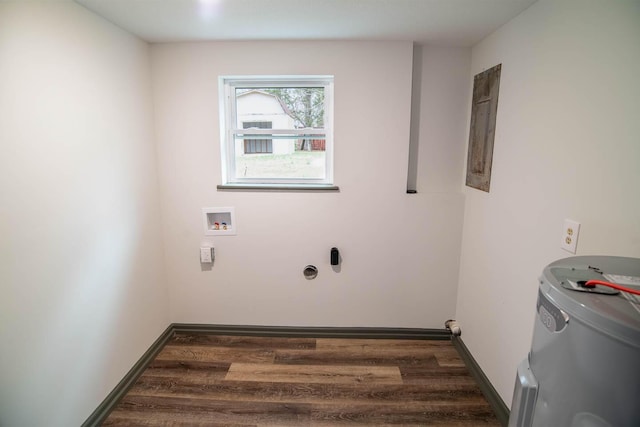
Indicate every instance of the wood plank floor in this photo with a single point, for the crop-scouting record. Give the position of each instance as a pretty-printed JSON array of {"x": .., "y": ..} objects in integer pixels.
[{"x": 211, "y": 380}]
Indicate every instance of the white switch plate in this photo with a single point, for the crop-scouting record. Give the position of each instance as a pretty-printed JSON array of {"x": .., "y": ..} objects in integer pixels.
[
  {"x": 206, "y": 255},
  {"x": 570, "y": 232}
]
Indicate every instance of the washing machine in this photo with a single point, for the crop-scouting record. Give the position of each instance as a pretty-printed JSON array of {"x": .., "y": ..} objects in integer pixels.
[{"x": 583, "y": 369}]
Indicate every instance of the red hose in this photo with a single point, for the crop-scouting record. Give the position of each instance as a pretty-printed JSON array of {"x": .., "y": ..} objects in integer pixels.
[{"x": 592, "y": 283}]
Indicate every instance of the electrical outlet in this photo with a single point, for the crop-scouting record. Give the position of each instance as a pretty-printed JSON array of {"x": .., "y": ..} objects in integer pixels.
[
  {"x": 206, "y": 255},
  {"x": 570, "y": 233}
]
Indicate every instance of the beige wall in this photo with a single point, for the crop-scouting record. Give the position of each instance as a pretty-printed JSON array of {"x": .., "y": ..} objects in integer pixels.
[
  {"x": 444, "y": 92},
  {"x": 81, "y": 272},
  {"x": 566, "y": 146},
  {"x": 400, "y": 251}
]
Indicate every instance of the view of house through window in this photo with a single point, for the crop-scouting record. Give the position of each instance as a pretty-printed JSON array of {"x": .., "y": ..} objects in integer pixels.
[{"x": 277, "y": 130}]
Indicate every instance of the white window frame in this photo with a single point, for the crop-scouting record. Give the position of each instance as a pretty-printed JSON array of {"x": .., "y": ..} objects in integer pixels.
[{"x": 229, "y": 130}]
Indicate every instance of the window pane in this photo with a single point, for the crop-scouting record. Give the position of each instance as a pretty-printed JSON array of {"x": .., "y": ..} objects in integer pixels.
[
  {"x": 288, "y": 159},
  {"x": 284, "y": 107}
]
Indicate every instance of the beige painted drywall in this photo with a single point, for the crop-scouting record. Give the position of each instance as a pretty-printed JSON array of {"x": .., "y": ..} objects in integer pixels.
[
  {"x": 444, "y": 90},
  {"x": 400, "y": 252},
  {"x": 566, "y": 146},
  {"x": 81, "y": 272}
]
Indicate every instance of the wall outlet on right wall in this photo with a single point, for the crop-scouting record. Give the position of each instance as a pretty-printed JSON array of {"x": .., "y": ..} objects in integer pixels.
[{"x": 570, "y": 232}]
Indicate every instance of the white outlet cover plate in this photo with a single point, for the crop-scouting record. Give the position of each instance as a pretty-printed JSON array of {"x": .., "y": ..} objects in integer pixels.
[
  {"x": 205, "y": 255},
  {"x": 570, "y": 233}
]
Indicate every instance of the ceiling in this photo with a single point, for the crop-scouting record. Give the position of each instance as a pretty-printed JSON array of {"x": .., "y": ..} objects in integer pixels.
[{"x": 436, "y": 22}]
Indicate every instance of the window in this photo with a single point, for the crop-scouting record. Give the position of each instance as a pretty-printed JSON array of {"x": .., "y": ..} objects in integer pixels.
[
  {"x": 257, "y": 145},
  {"x": 277, "y": 131}
]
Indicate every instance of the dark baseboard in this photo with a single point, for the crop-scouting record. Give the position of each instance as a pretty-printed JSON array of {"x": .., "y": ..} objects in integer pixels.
[
  {"x": 104, "y": 409},
  {"x": 490, "y": 393},
  {"x": 314, "y": 332},
  {"x": 102, "y": 412}
]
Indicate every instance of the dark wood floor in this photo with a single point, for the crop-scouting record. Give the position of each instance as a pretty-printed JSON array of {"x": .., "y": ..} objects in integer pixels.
[{"x": 210, "y": 380}]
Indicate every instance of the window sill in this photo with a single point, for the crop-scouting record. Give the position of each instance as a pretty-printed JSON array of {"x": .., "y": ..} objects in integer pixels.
[{"x": 279, "y": 187}]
